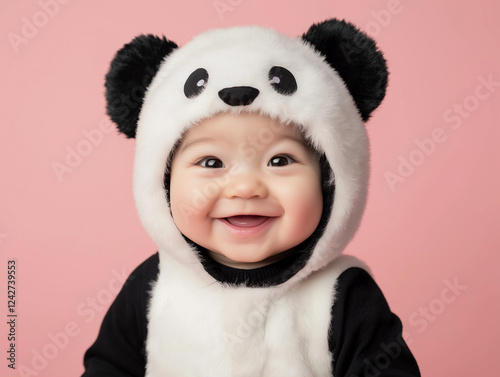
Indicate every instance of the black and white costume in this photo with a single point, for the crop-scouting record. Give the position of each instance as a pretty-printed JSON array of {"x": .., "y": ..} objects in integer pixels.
[{"x": 314, "y": 313}]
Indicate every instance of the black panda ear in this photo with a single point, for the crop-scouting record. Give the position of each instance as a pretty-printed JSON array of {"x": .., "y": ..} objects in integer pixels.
[
  {"x": 356, "y": 58},
  {"x": 130, "y": 73}
]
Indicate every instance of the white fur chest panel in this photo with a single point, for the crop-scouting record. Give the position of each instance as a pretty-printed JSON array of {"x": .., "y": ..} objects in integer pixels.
[{"x": 200, "y": 329}]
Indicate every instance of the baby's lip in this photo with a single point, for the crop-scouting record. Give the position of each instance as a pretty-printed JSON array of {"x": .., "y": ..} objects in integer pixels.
[
  {"x": 227, "y": 208},
  {"x": 246, "y": 221}
]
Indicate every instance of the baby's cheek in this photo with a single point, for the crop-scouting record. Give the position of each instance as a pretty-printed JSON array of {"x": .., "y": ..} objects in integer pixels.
[
  {"x": 309, "y": 198},
  {"x": 305, "y": 216},
  {"x": 184, "y": 210},
  {"x": 312, "y": 210}
]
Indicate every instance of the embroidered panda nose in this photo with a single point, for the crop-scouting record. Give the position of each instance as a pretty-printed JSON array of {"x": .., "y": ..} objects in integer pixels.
[{"x": 238, "y": 95}]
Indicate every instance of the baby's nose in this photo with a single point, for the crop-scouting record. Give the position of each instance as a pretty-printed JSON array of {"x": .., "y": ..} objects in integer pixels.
[{"x": 245, "y": 186}]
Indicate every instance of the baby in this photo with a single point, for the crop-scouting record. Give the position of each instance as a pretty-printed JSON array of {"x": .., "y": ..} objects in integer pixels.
[
  {"x": 251, "y": 175},
  {"x": 256, "y": 204}
]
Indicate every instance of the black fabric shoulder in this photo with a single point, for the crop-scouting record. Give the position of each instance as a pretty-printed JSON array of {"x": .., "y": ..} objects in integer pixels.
[
  {"x": 119, "y": 350},
  {"x": 365, "y": 336}
]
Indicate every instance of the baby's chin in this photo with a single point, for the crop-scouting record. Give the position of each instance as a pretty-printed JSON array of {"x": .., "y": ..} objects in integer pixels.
[{"x": 248, "y": 262}]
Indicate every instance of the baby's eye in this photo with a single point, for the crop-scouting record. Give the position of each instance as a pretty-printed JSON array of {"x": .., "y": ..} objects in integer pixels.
[
  {"x": 280, "y": 160},
  {"x": 210, "y": 162}
]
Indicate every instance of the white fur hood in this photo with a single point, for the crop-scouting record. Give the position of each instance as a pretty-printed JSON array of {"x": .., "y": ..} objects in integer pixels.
[{"x": 331, "y": 79}]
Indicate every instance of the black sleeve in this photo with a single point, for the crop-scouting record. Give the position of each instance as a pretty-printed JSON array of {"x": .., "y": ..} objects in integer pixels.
[
  {"x": 365, "y": 336},
  {"x": 119, "y": 350}
]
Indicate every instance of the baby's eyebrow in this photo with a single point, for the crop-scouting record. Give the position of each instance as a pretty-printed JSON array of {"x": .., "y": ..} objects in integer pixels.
[
  {"x": 299, "y": 139},
  {"x": 196, "y": 141}
]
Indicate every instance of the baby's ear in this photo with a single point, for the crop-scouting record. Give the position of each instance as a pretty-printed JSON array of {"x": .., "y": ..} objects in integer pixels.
[
  {"x": 356, "y": 58},
  {"x": 130, "y": 73}
]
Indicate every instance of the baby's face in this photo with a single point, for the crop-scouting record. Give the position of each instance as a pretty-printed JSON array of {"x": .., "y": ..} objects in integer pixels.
[{"x": 245, "y": 186}]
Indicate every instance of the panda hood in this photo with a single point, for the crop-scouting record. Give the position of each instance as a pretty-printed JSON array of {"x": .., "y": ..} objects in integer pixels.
[{"x": 328, "y": 81}]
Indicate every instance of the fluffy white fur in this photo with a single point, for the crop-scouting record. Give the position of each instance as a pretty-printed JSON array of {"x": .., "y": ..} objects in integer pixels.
[
  {"x": 197, "y": 329},
  {"x": 243, "y": 56},
  {"x": 194, "y": 322}
]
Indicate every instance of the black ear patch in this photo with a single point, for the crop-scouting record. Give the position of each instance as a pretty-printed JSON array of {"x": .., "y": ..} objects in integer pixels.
[
  {"x": 356, "y": 58},
  {"x": 196, "y": 83},
  {"x": 130, "y": 73},
  {"x": 282, "y": 80}
]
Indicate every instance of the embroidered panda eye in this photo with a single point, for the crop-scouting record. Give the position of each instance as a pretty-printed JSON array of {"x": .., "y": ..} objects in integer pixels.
[
  {"x": 195, "y": 83},
  {"x": 282, "y": 80}
]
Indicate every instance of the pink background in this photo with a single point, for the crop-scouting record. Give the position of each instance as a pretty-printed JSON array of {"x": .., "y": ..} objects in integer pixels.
[{"x": 74, "y": 235}]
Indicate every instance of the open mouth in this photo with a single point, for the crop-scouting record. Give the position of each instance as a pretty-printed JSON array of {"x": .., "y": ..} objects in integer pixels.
[{"x": 246, "y": 221}]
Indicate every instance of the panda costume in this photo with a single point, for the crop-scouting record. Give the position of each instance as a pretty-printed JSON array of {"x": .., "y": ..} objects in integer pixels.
[{"x": 313, "y": 313}]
